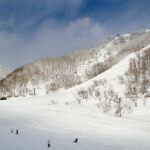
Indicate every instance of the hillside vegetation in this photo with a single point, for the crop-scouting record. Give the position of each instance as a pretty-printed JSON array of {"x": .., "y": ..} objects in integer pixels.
[
  {"x": 50, "y": 75},
  {"x": 122, "y": 88}
]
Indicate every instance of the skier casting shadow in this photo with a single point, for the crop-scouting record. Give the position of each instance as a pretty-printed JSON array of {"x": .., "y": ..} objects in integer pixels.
[{"x": 76, "y": 140}]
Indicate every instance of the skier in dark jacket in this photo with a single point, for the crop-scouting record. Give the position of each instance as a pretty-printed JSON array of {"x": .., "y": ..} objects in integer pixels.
[
  {"x": 76, "y": 140},
  {"x": 17, "y": 132},
  {"x": 48, "y": 143}
]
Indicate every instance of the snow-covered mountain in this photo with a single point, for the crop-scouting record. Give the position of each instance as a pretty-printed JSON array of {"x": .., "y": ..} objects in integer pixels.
[
  {"x": 120, "y": 89},
  {"x": 4, "y": 72},
  {"x": 112, "y": 77},
  {"x": 49, "y": 75},
  {"x": 65, "y": 115}
]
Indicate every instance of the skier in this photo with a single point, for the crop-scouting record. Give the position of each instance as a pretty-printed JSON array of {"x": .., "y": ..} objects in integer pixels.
[
  {"x": 17, "y": 132},
  {"x": 48, "y": 143},
  {"x": 76, "y": 140},
  {"x": 11, "y": 131}
]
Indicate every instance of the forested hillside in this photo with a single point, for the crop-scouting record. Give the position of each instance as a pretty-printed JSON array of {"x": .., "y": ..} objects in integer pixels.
[{"x": 49, "y": 75}]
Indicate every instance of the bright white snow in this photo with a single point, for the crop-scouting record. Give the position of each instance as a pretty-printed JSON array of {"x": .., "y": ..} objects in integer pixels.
[
  {"x": 50, "y": 117},
  {"x": 39, "y": 120}
]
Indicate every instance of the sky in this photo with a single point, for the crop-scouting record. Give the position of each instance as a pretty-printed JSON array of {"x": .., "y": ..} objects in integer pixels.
[{"x": 35, "y": 29}]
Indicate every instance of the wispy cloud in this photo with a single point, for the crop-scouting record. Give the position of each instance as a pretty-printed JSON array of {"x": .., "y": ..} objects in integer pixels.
[
  {"x": 31, "y": 29},
  {"x": 26, "y": 14},
  {"x": 50, "y": 40}
]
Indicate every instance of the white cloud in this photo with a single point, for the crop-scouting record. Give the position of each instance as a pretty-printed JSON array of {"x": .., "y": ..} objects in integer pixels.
[
  {"x": 53, "y": 39},
  {"x": 50, "y": 40}
]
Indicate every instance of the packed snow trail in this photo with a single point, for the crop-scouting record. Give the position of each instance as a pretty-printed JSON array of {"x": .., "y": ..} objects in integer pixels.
[{"x": 39, "y": 121}]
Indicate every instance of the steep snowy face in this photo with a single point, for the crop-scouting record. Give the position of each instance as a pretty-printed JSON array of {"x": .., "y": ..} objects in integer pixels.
[
  {"x": 47, "y": 75},
  {"x": 120, "y": 89},
  {"x": 4, "y": 72}
]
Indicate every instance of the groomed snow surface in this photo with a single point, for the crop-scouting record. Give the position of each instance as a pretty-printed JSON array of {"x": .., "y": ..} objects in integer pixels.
[
  {"x": 50, "y": 117},
  {"x": 39, "y": 119}
]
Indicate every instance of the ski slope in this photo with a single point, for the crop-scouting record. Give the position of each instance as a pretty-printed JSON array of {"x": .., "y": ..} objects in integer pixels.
[
  {"x": 50, "y": 117},
  {"x": 39, "y": 120}
]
